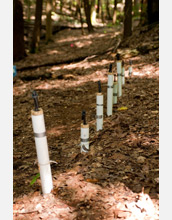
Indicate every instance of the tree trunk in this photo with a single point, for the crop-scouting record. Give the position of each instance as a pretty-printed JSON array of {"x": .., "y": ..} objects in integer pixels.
[
  {"x": 28, "y": 10},
  {"x": 93, "y": 12},
  {"x": 143, "y": 16},
  {"x": 153, "y": 11},
  {"x": 54, "y": 5},
  {"x": 102, "y": 12},
  {"x": 80, "y": 15},
  {"x": 108, "y": 11},
  {"x": 98, "y": 9},
  {"x": 18, "y": 31},
  {"x": 77, "y": 9},
  {"x": 37, "y": 27},
  {"x": 87, "y": 8},
  {"x": 127, "y": 19},
  {"x": 136, "y": 7},
  {"x": 115, "y": 11},
  {"x": 48, "y": 20},
  {"x": 61, "y": 5}
]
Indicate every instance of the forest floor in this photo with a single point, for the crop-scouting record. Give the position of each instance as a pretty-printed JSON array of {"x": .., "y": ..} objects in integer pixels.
[{"x": 119, "y": 177}]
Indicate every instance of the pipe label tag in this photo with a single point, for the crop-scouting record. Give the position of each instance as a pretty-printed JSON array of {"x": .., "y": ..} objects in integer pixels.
[
  {"x": 84, "y": 140},
  {"x": 99, "y": 116},
  {"x": 40, "y": 135}
]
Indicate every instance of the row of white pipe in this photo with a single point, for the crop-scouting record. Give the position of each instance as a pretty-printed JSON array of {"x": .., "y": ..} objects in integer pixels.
[{"x": 114, "y": 89}]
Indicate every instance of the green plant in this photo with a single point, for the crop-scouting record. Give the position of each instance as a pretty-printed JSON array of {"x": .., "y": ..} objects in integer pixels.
[{"x": 34, "y": 179}]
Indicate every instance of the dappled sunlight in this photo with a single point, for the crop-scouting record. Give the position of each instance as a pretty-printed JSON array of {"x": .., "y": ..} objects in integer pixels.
[
  {"x": 73, "y": 196},
  {"x": 80, "y": 81},
  {"x": 75, "y": 189},
  {"x": 56, "y": 131},
  {"x": 79, "y": 78},
  {"x": 82, "y": 44},
  {"x": 85, "y": 64},
  {"x": 84, "y": 37},
  {"x": 51, "y": 52}
]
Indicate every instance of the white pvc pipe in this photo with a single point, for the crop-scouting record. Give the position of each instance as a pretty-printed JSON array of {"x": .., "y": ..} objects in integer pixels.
[
  {"x": 42, "y": 150},
  {"x": 119, "y": 72},
  {"x": 84, "y": 138},
  {"x": 99, "y": 111},
  {"x": 130, "y": 70},
  {"x": 110, "y": 94},
  {"x": 115, "y": 92},
  {"x": 123, "y": 75}
]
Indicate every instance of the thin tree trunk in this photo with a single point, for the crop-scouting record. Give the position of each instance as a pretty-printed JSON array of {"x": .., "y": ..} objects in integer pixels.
[
  {"x": 37, "y": 27},
  {"x": 80, "y": 14},
  {"x": 136, "y": 7},
  {"x": 54, "y": 5},
  {"x": 77, "y": 9},
  {"x": 127, "y": 18},
  {"x": 102, "y": 12},
  {"x": 87, "y": 8},
  {"x": 115, "y": 11},
  {"x": 28, "y": 10},
  {"x": 61, "y": 5},
  {"x": 143, "y": 16},
  {"x": 18, "y": 31},
  {"x": 48, "y": 21},
  {"x": 98, "y": 9},
  {"x": 108, "y": 11},
  {"x": 153, "y": 11}
]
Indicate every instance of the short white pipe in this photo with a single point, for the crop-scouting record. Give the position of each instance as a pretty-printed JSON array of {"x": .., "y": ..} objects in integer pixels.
[
  {"x": 115, "y": 92},
  {"x": 110, "y": 94},
  {"x": 130, "y": 70},
  {"x": 42, "y": 150},
  {"x": 119, "y": 72},
  {"x": 84, "y": 138},
  {"x": 123, "y": 75},
  {"x": 99, "y": 111}
]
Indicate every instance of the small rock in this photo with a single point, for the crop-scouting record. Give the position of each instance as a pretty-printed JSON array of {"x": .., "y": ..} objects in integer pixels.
[{"x": 141, "y": 159}]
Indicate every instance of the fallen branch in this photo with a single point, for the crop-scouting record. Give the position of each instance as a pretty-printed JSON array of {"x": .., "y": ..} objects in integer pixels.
[{"x": 72, "y": 60}]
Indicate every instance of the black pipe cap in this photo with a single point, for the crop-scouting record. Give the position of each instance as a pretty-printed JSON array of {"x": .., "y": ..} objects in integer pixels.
[
  {"x": 110, "y": 68},
  {"x": 35, "y": 97},
  {"x": 99, "y": 86},
  {"x": 117, "y": 56},
  {"x": 84, "y": 117}
]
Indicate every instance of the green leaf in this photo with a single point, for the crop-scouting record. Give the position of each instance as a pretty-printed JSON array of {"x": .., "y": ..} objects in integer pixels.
[{"x": 34, "y": 179}]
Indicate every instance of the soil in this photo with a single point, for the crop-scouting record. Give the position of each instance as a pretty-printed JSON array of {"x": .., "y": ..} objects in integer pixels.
[{"x": 119, "y": 177}]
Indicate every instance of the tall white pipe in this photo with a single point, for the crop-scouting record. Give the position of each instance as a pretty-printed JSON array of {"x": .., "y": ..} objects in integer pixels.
[
  {"x": 42, "y": 150},
  {"x": 99, "y": 111},
  {"x": 130, "y": 70},
  {"x": 123, "y": 73},
  {"x": 110, "y": 94},
  {"x": 119, "y": 72},
  {"x": 84, "y": 138},
  {"x": 115, "y": 92}
]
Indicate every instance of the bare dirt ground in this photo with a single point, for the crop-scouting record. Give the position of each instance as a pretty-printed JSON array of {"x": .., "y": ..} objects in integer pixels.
[{"x": 119, "y": 177}]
